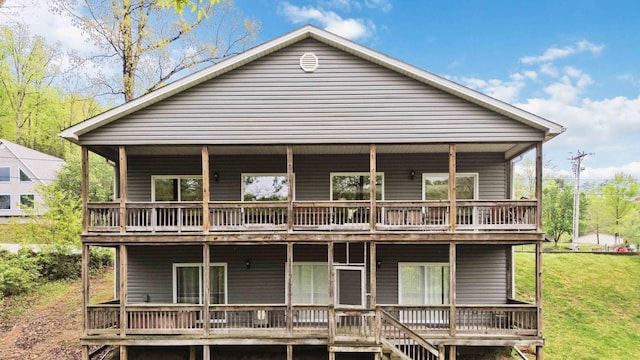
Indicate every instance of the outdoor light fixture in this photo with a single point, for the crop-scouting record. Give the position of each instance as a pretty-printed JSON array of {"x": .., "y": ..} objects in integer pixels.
[
  {"x": 412, "y": 174},
  {"x": 216, "y": 177},
  {"x": 378, "y": 264},
  {"x": 247, "y": 263}
]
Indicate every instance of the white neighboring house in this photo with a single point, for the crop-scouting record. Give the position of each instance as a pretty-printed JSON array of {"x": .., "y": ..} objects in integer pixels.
[
  {"x": 21, "y": 171},
  {"x": 600, "y": 239}
]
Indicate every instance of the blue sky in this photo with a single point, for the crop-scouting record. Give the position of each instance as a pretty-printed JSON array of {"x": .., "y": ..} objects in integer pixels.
[{"x": 576, "y": 63}]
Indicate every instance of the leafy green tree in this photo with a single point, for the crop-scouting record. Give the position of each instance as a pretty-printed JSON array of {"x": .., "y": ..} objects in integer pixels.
[
  {"x": 557, "y": 209},
  {"x": 179, "y": 5},
  {"x": 55, "y": 221},
  {"x": 101, "y": 177},
  {"x": 28, "y": 69},
  {"x": 151, "y": 45},
  {"x": 616, "y": 202}
]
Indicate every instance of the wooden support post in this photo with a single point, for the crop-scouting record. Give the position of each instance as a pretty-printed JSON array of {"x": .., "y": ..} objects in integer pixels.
[
  {"x": 85, "y": 352},
  {"x": 123, "y": 291},
  {"x": 84, "y": 185},
  {"x": 441, "y": 352},
  {"x": 289, "y": 287},
  {"x": 510, "y": 273},
  {"x": 205, "y": 189},
  {"x": 372, "y": 187},
  {"x": 332, "y": 355},
  {"x": 192, "y": 352},
  {"x": 122, "y": 161},
  {"x": 332, "y": 292},
  {"x": 539, "y": 186},
  {"x": 206, "y": 352},
  {"x": 452, "y": 289},
  {"x": 289, "y": 352},
  {"x": 452, "y": 352},
  {"x": 123, "y": 353},
  {"x": 85, "y": 288},
  {"x": 539, "y": 285},
  {"x": 539, "y": 352},
  {"x": 373, "y": 269},
  {"x": 452, "y": 187},
  {"x": 290, "y": 192},
  {"x": 206, "y": 276}
]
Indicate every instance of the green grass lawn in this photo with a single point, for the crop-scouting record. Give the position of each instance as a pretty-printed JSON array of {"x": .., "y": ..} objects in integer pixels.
[{"x": 591, "y": 304}]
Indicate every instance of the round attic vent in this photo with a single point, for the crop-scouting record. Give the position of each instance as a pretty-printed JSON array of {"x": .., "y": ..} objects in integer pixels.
[{"x": 309, "y": 62}]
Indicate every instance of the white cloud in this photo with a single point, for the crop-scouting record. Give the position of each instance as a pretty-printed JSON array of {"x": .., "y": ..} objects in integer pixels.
[
  {"x": 346, "y": 5},
  {"x": 552, "y": 54},
  {"x": 54, "y": 28},
  {"x": 607, "y": 173},
  {"x": 383, "y": 5},
  {"x": 507, "y": 91},
  {"x": 350, "y": 28}
]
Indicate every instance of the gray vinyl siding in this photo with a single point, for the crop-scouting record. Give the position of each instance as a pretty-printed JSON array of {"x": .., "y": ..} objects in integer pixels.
[
  {"x": 481, "y": 270},
  {"x": 481, "y": 274},
  {"x": 312, "y": 173},
  {"x": 151, "y": 270},
  {"x": 346, "y": 100}
]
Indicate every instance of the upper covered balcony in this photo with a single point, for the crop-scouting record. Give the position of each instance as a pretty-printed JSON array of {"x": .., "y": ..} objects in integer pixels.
[{"x": 356, "y": 189}]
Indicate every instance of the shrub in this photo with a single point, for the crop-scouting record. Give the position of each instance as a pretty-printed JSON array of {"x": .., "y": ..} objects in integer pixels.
[
  {"x": 18, "y": 273},
  {"x": 100, "y": 259},
  {"x": 56, "y": 265}
]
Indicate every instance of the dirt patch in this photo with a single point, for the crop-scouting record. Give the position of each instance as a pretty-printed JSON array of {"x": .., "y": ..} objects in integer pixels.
[{"x": 48, "y": 328}]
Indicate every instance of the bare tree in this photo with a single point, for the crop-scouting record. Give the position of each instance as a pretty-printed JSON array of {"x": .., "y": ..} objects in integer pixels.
[{"x": 149, "y": 45}]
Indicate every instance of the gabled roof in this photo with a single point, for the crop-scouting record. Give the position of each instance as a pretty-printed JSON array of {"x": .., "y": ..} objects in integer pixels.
[
  {"x": 42, "y": 166},
  {"x": 549, "y": 128}
]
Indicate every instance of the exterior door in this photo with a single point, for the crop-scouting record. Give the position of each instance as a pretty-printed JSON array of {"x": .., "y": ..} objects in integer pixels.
[{"x": 350, "y": 286}]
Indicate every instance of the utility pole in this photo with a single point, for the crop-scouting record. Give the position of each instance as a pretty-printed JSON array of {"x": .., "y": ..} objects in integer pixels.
[{"x": 576, "y": 164}]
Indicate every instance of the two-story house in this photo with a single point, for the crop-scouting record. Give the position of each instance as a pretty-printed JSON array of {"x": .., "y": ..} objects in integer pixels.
[
  {"x": 312, "y": 198},
  {"x": 22, "y": 170}
]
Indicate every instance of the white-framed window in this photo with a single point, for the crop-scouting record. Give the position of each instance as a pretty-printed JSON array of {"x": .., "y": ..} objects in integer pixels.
[
  {"x": 24, "y": 177},
  {"x": 310, "y": 283},
  {"x": 27, "y": 201},
  {"x": 265, "y": 186},
  {"x": 423, "y": 283},
  {"x": 187, "y": 283},
  {"x": 176, "y": 188},
  {"x": 355, "y": 186},
  {"x": 436, "y": 186},
  {"x": 5, "y": 174},
  {"x": 5, "y": 202}
]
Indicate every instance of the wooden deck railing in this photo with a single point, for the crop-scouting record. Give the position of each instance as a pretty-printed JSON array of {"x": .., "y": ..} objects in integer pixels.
[
  {"x": 479, "y": 215},
  {"x": 518, "y": 319}
]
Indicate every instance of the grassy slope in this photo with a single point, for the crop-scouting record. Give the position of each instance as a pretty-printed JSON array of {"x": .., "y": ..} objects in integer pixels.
[{"x": 591, "y": 304}]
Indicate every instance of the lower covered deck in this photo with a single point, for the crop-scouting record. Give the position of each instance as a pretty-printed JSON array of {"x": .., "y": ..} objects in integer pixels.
[
  {"x": 419, "y": 332},
  {"x": 350, "y": 297}
]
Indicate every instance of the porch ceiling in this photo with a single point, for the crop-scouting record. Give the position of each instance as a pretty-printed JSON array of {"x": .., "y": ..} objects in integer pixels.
[{"x": 509, "y": 149}]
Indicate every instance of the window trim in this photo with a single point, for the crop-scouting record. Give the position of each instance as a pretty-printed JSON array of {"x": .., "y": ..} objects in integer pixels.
[
  {"x": 178, "y": 177},
  {"x": 423, "y": 264},
  {"x": 311, "y": 263},
  {"x": 476, "y": 182},
  {"x": 20, "y": 172},
  {"x": 33, "y": 204},
  {"x": 9, "y": 208},
  {"x": 8, "y": 181},
  {"x": 354, "y": 173},
  {"x": 200, "y": 275},
  {"x": 286, "y": 175}
]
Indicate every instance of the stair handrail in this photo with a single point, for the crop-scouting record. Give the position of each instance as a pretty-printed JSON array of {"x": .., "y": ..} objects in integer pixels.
[{"x": 385, "y": 316}]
